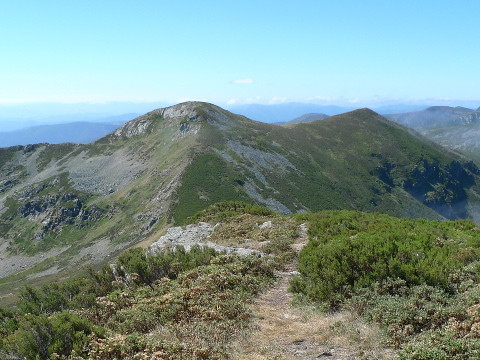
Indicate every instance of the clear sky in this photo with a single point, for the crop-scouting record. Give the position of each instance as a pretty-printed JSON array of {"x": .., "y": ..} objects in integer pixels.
[{"x": 228, "y": 52}]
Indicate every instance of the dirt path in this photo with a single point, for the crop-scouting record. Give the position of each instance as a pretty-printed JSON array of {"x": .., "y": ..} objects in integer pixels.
[{"x": 282, "y": 332}]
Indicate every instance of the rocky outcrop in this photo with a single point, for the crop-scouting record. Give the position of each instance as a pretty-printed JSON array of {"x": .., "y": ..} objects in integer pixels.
[
  {"x": 184, "y": 111},
  {"x": 194, "y": 235},
  {"x": 54, "y": 211},
  {"x": 134, "y": 128},
  {"x": 11, "y": 175},
  {"x": 185, "y": 116},
  {"x": 473, "y": 117}
]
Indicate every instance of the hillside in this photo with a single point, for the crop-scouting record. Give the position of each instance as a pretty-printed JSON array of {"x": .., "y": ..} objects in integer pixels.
[
  {"x": 464, "y": 138},
  {"x": 63, "y": 207},
  {"x": 357, "y": 160}
]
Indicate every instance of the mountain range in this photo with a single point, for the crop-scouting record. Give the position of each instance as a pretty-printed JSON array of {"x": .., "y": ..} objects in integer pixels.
[
  {"x": 69, "y": 205},
  {"x": 285, "y": 112},
  {"x": 281, "y": 113},
  {"x": 77, "y": 132}
]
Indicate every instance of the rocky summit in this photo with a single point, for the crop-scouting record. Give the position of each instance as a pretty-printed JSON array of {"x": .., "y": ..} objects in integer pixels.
[{"x": 66, "y": 206}]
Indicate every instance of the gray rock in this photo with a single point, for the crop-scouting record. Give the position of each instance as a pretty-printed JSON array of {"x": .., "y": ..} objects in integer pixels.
[
  {"x": 195, "y": 234},
  {"x": 266, "y": 225}
]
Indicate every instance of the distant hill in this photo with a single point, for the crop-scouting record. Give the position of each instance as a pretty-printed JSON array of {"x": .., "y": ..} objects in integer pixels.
[
  {"x": 399, "y": 108},
  {"x": 22, "y": 115},
  {"x": 435, "y": 117},
  {"x": 281, "y": 113},
  {"x": 77, "y": 132},
  {"x": 305, "y": 118},
  {"x": 454, "y": 127},
  {"x": 69, "y": 205}
]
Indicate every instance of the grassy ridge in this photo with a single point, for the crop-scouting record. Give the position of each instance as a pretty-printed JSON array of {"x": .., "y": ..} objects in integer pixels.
[
  {"x": 208, "y": 180},
  {"x": 357, "y": 161}
]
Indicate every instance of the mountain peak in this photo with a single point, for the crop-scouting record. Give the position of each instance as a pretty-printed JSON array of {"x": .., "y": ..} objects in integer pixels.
[
  {"x": 180, "y": 115},
  {"x": 362, "y": 112},
  {"x": 187, "y": 109}
]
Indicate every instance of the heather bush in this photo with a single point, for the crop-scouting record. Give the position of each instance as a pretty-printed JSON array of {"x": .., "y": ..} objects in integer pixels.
[
  {"x": 351, "y": 250},
  {"x": 43, "y": 337}
]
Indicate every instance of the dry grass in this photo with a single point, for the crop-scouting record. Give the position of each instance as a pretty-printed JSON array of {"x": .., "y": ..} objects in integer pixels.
[
  {"x": 281, "y": 332},
  {"x": 246, "y": 231}
]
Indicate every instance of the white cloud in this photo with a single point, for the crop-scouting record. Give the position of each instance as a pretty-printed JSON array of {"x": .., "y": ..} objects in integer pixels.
[
  {"x": 277, "y": 100},
  {"x": 320, "y": 98},
  {"x": 244, "y": 81}
]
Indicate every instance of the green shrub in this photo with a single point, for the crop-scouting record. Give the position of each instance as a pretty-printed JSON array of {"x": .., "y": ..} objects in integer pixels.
[
  {"x": 40, "y": 337},
  {"x": 418, "y": 309},
  {"x": 168, "y": 263},
  {"x": 351, "y": 250},
  {"x": 441, "y": 345},
  {"x": 72, "y": 294}
]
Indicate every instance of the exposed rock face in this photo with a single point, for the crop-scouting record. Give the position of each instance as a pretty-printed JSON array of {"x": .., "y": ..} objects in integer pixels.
[
  {"x": 184, "y": 115},
  {"x": 187, "y": 110},
  {"x": 56, "y": 210},
  {"x": 133, "y": 128},
  {"x": 469, "y": 118},
  {"x": 191, "y": 235},
  {"x": 259, "y": 163},
  {"x": 262, "y": 159}
]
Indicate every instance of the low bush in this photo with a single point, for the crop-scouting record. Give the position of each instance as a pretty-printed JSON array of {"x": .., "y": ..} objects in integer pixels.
[
  {"x": 168, "y": 263},
  {"x": 168, "y": 305},
  {"x": 351, "y": 250},
  {"x": 417, "y": 279},
  {"x": 43, "y": 337}
]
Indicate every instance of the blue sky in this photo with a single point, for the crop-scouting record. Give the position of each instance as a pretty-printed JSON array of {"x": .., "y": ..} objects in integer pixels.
[{"x": 232, "y": 52}]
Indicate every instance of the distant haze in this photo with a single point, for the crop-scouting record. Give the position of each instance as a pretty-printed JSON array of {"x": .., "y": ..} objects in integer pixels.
[
  {"x": 76, "y": 132},
  {"x": 20, "y": 116}
]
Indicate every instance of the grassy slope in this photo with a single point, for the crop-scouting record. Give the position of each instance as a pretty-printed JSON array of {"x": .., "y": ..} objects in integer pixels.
[{"x": 336, "y": 159}]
